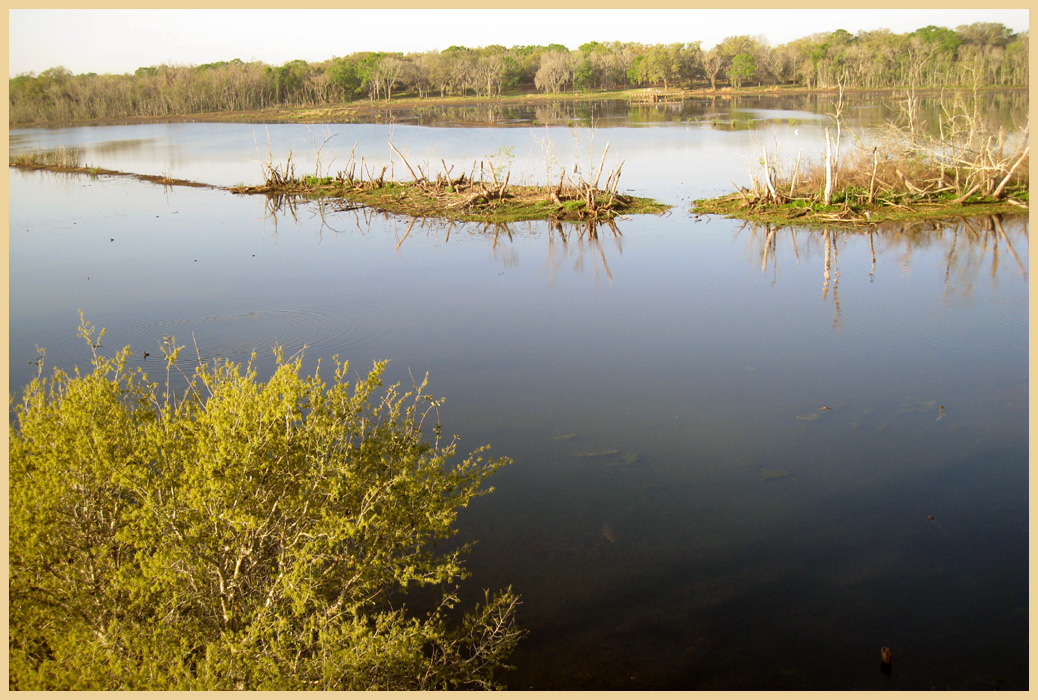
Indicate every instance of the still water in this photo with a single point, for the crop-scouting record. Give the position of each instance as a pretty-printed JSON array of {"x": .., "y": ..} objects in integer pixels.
[{"x": 727, "y": 439}]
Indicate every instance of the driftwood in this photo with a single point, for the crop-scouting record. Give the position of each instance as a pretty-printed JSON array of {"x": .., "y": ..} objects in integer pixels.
[{"x": 468, "y": 201}]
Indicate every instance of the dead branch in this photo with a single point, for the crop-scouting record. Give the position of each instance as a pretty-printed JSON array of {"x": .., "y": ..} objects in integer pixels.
[
  {"x": 408, "y": 165},
  {"x": 998, "y": 190}
]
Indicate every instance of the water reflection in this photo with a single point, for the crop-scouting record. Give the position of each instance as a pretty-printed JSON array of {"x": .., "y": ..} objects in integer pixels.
[
  {"x": 65, "y": 181},
  {"x": 117, "y": 146},
  {"x": 721, "y": 111},
  {"x": 581, "y": 242},
  {"x": 967, "y": 247},
  {"x": 675, "y": 510}
]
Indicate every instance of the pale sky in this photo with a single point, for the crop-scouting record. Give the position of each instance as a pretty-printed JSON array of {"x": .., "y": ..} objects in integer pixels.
[{"x": 120, "y": 41}]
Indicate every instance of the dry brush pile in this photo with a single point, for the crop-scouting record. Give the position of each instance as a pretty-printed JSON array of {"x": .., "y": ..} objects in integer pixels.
[
  {"x": 912, "y": 167},
  {"x": 481, "y": 194}
]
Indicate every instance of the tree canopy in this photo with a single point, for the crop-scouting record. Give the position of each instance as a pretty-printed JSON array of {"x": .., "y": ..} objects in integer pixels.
[{"x": 983, "y": 53}]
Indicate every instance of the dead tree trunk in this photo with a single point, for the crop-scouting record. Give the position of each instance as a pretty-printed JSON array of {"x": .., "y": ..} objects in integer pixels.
[
  {"x": 768, "y": 176},
  {"x": 828, "y": 168}
]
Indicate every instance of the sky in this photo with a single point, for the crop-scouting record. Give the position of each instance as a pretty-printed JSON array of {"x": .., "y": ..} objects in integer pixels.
[{"x": 120, "y": 41}]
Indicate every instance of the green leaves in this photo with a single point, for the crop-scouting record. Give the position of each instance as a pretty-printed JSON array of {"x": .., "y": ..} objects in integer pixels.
[{"x": 242, "y": 534}]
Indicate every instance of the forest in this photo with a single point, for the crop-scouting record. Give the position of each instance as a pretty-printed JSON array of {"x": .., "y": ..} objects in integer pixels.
[{"x": 977, "y": 55}]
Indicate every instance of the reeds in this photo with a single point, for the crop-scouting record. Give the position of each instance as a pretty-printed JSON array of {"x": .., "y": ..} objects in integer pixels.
[{"x": 58, "y": 158}]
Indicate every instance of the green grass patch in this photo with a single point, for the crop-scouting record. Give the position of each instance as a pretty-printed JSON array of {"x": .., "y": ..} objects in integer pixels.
[{"x": 845, "y": 211}]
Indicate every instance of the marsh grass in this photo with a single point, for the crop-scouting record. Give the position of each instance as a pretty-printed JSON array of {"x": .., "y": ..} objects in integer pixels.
[{"x": 56, "y": 159}]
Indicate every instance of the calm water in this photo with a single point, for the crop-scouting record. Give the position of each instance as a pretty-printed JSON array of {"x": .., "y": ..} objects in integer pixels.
[{"x": 682, "y": 512}]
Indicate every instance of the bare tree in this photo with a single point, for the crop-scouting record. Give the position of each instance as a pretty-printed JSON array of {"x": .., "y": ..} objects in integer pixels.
[
  {"x": 391, "y": 70},
  {"x": 491, "y": 72},
  {"x": 713, "y": 65},
  {"x": 555, "y": 72}
]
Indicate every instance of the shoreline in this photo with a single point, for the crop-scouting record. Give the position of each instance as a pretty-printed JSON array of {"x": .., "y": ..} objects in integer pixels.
[{"x": 367, "y": 112}]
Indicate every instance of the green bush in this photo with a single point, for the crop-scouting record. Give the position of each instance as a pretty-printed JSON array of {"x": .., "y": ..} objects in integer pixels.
[{"x": 239, "y": 534}]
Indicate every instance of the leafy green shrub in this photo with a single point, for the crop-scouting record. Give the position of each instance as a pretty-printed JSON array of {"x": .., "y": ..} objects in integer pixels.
[
  {"x": 239, "y": 534},
  {"x": 850, "y": 195}
]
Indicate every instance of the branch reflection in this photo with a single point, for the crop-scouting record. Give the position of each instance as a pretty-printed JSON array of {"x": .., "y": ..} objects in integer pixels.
[
  {"x": 581, "y": 243},
  {"x": 968, "y": 247},
  {"x": 289, "y": 206}
]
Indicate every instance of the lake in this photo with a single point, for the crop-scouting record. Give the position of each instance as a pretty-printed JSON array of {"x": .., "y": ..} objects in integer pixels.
[{"x": 728, "y": 439}]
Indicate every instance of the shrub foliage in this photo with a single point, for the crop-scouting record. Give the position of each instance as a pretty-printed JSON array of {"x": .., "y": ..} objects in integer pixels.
[{"x": 239, "y": 534}]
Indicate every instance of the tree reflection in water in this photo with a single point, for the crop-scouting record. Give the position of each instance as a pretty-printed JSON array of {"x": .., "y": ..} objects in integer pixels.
[
  {"x": 965, "y": 242},
  {"x": 968, "y": 245},
  {"x": 566, "y": 240}
]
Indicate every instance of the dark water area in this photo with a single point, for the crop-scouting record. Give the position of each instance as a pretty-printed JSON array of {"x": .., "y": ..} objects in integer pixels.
[{"x": 728, "y": 439}]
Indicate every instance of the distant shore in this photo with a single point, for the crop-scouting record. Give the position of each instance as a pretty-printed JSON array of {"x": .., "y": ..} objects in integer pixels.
[{"x": 369, "y": 111}]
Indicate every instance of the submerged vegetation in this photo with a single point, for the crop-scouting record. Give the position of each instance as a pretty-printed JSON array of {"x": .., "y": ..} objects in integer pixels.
[
  {"x": 240, "y": 534},
  {"x": 961, "y": 165}
]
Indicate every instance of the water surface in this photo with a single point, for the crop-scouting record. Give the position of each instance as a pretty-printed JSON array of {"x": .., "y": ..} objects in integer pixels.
[{"x": 727, "y": 439}]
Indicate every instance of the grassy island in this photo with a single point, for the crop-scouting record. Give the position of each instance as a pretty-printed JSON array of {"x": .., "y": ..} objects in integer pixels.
[
  {"x": 475, "y": 196},
  {"x": 477, "y": 202},
  {"x": 848, "y": 208},
  {"x": 481, "y": 196}
]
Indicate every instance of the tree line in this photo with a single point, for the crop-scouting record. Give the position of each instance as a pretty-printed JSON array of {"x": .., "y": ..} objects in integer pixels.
[{"x": 980, "y": 54}]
